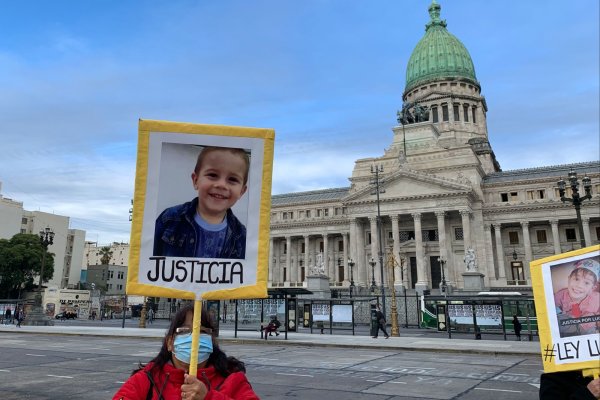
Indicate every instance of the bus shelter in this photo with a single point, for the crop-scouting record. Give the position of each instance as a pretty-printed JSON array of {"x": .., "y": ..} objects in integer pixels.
[
  {"x": 255, "y": 314},
  {"x": 484, "y": 312}
]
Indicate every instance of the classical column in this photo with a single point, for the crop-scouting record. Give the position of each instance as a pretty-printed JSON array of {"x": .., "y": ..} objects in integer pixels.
[
  {"x": 306, "y": 256},
  {"x": 466, "y": 224},
  {"x": 271, "y": 263},
  {"x": 361, "y": 258},
  {"x": 489, "y": 254},
  {"x": 345, "y": 244},
  {"x": 527, "y": 244},
  {"x": 326, "y": 264},
  {"x": 586, "y": 230},
  {"x": 375, "y": 247},
  {"x": 422, "y": 282},
  {"x": 555, "y": 236},
  {"x": 299, "y": 261},
  {"x": 396, "y": 239},
  {"x": 499, "y": 251},
  {"x": 288, "y": 259},
  {"x": 441, "y": 223}
]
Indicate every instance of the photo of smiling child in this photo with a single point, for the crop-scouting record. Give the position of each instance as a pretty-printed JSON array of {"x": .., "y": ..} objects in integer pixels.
[
  {"x": 578, "y": 303},
  {"x": 206, "y": 227}
]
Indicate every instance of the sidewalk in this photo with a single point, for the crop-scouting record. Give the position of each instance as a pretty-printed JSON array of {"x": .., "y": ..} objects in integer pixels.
[{"x": 408, "y": 340}]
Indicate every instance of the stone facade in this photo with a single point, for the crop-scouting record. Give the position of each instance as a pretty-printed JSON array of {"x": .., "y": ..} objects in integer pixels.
[{"x": 441, "y": 193}]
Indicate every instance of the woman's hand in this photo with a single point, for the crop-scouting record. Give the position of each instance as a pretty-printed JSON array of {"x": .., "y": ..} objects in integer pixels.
[
  {"x": 594, "y": 387},
  {"x": 193, "y": 388}
]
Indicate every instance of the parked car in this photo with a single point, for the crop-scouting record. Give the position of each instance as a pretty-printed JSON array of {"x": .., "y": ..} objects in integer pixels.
[{"x": 66, "y": 315}]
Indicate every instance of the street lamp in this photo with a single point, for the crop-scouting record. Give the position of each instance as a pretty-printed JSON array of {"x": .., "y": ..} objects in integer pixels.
[
  {"x": 372, "y": 264},
  {"x": 46, "y": 239},
  {"x": 351, "y": 265},
  {"x": 443, "y": 287},
  {"x": 376, "y": 170},
  {"x": 37, "y": 315},
  {"x": 576, "y": 198}
]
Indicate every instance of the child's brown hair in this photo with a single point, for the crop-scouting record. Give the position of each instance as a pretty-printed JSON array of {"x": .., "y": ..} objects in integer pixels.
[{"x": 233, "y": 150}]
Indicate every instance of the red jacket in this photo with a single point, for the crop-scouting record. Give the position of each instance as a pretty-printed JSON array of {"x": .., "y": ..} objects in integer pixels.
[{"x": 169, "y": 381}]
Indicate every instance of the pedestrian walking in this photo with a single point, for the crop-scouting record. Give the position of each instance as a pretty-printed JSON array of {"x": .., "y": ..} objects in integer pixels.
[
  {"x": 166, "y": 375},
  {"x": 19, "y": 316},
  {"x": 380, "y": 323},
  {"x": 150, "y": 315},
  {"x": 517, "y": 327}
]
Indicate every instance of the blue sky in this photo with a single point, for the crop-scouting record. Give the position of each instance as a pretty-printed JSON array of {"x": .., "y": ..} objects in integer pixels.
[{"x": 328, "y": 76}]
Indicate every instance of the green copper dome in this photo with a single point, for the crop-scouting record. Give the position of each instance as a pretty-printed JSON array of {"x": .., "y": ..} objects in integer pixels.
[{"x": 438, "y": 55}]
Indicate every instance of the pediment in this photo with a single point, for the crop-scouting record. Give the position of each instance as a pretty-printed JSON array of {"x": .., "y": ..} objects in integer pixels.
[{"x": 406, "y": 183}]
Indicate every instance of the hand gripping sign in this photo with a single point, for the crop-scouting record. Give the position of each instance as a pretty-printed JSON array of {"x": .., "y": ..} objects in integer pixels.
[
  {"x": 566, "y": 290},
  {"x": 201, "y": 213}
]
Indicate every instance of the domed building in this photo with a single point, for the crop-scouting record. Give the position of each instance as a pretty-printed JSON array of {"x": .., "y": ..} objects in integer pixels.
[{"x": 449, "y": 216}]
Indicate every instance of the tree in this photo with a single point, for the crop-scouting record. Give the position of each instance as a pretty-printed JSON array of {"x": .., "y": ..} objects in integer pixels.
[
  {"x": 106, "y": 254},
  {"x": 20, "y": 264}
]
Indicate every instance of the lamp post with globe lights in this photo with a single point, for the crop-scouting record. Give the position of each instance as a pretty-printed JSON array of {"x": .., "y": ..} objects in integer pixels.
[
  {"x": 576, "y": 198},
  {"x": 37, "y": 316}
]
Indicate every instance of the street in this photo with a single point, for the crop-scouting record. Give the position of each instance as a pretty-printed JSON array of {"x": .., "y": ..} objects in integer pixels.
[{"x": 41, "y": 366}]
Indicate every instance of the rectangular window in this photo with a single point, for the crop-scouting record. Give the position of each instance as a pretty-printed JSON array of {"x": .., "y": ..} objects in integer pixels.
[
  {"x": 535, "y": 194},
  {"x": 368, "y": 237},
  {"x": 407, "y": 235},
  {"x": 341, "y": 245},
  {"x": 517, "y": 271},
  {"x": 466, "y": 112},
  {"x": 319, "y": 213},
  {"x": 474, "y": 114},
  {"x": 23, "y": 231},
  {"x": 23, "y": 221},
  {"x": 541, "y": 236},
  {"x": 326, "y": 212},
  {"x": 285, "y": 215},
  {"x": 514, "y": 196},
  {"x": 321, "y": 246},
  {"x": 430, "y": 235},
  {"x": 571, "y": 235},
  {"x": 504, "y": 197},
  {"x": 445, "y": 115},
  {"x": 284, "y": 248},
  {"x": 303, "y": 248},
  {"x": 291, "y": 214},
  {"x": 307, "y": 213},
  {"x": 338, "y": 211},
  {"x": 301, "y": 214},
  {"x": 456, "y": 110},
  {"x": 434, "y": 114},
  {"x": 458, "y": 234},
  {"x": 513, "y": 237}
]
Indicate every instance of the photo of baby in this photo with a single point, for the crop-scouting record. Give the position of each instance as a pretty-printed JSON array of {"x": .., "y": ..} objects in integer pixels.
[
  {"x": 577, "y": 297},
  {"x": 206, "y": 227}
]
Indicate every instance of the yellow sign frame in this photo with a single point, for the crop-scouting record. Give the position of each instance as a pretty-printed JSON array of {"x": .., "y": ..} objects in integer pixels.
[
  {"x": 542, "y": 288},
  {"x": 146, "y": 129}
]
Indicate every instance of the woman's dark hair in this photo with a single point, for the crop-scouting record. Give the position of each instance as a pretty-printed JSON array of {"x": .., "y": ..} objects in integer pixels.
[{"x": 223, "y": 364}]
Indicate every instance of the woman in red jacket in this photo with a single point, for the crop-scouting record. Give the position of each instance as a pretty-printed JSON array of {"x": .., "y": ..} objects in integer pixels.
[{"x": 165, "y": 377}]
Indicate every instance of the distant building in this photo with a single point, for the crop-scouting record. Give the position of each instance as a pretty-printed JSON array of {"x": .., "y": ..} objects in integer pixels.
[
  {"x": 93, "y": 256},
  {"x": 444, "y": 197},
  {"x": 109, "y": 279},
  {"x": 68, "y": 243}
]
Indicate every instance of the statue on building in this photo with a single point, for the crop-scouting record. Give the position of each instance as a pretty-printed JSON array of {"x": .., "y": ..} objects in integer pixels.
[
  {"x": 471, "y": 260},
  {"x": 412, "y": 113},
  {"x": 319, "y": 267}
]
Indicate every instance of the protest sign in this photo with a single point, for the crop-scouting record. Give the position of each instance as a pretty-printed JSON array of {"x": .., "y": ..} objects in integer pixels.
[
  {"x": 201, "y": 211},
  {"x": 567, "y": 301}
]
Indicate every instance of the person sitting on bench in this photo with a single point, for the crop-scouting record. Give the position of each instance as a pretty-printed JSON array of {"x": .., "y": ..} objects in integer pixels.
[{"x": 273, "y": 326}]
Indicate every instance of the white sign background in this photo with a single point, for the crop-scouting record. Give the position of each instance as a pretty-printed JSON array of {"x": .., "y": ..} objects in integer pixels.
[{"x": 171, "y": 161}]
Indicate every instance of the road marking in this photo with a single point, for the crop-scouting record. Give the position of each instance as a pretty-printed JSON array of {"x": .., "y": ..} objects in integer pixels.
[
  {"x": 120, "y": 382},
  {"x": 36, "y": 355},
  {"x": 510, "y": 373},
  {"x": 537, "y": 385},
  {"x": 372, "y": 380},
  {"x": 500, "y": 390},
  {"x": 281, "y": 373},
  {"x": 4, "y": 370},
  {"x": 404, "y": 383},
  {"x": 61, "y": 376}
]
